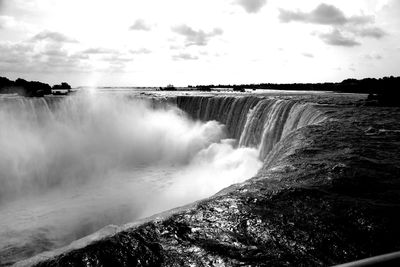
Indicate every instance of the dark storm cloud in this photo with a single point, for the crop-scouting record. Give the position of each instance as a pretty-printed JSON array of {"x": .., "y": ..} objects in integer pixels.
[
  {"x": 140, "y": 25},
  {"x": 251, "y": 6},
  {"x": 53, "y": 36},
  {"x": 194, "y": 37},
  {"x": 336, "y": 38},
  {"x": 323, "y": 14},
  {"x": 184, "y": 56}
]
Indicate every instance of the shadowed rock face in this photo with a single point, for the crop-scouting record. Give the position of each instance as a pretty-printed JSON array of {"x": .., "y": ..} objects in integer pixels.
[{"x": 327, "y": 193}]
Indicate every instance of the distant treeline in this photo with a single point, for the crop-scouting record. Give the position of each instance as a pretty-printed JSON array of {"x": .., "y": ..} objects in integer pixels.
[
  {"x": 386, "y": 90},
  {"x": 28, "y": 88}
]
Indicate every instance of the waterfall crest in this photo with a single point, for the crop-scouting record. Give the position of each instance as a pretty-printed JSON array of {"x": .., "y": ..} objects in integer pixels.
[{"x": 253, "y": 121}]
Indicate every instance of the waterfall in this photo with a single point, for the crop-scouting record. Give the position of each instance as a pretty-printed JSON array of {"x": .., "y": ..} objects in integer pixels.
[
  {"x": 35, "y": 110},
  {"x": 255, "y": 122},
  {"x": 51, "y": 142},
  {"x": 111, "y": 159}
]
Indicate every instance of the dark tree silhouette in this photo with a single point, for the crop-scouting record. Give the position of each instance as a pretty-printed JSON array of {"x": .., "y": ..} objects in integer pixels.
[
  {"x": 63, "y": 85},
  {"x": 384, "y": 90},
  {"x": 23, "y": 87}
]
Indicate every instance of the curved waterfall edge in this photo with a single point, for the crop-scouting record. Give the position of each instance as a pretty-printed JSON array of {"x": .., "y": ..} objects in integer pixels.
[{"x": 255, "y": 122}]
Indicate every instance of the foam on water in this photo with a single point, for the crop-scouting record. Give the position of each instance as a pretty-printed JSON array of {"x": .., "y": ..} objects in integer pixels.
[{"x": 71, "y": 166}]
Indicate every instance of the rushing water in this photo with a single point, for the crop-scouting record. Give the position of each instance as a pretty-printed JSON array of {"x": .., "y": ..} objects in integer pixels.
[
  {"x": 70, "y": 166},
  {"x": 253, "y": 121}
]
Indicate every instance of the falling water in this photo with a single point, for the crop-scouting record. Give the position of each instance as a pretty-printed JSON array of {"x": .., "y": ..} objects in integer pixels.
[
  {"x": 70, "y": 166},
  {"x": 253, "y": 121}
]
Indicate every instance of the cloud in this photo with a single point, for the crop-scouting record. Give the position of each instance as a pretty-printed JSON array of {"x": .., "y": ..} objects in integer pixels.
[
  {"x": 175, "y": 47},
  {"x": 9, "y": 22},
  {"x": 140, "y": 51},
  {"x": 323, "y": 14},
  {"x": 373, "y": 57},
  {"x": 5, "y": 21},
  {"x": 140, "y": 25},
  {"x": 16, "y": 54},
  {"x": 118, "y": 59},
  {"x": 251, "y": 6},
  {"x": 98, "y": 50},
  {"x": 80, "y": 56},
  {"x": 184, "y": 56},
  {"x": 308, "y": 55},
  {"x": 116, "y": 63},
  {"x": 373, "y": 32},
  {"x": 344, "y": 29},
  {"x": 2, "y": 6},
  {"x": 361, "y": 20},
  {"x": 53, "y": 36},
  {"x": 29, "y": 57},
  {"x": 193, "y": 37},
  {"x": 54, "y": 52},
  {"x": 336, "y": 38},
  {"x": 61, "y": 63},
  {"x": 53, "y": 57}
]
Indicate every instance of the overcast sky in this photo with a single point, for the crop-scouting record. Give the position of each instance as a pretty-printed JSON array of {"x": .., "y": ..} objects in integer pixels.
[{"x": 157, "y": 42}]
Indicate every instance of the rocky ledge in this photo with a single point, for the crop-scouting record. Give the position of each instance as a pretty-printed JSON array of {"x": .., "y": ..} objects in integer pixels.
[{"x": 327, "y": 194}]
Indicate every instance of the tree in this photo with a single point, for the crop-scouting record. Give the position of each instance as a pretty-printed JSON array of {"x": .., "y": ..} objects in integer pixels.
[{"x": 63, "y": 85}]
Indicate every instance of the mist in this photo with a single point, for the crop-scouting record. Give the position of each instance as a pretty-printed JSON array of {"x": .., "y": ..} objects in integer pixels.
[
  {"x": 87, "y": 136},
  {"x": 71, "y": 166}
]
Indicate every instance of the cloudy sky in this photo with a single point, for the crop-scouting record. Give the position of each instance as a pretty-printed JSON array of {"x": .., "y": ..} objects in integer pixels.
[{"x": 157, "y": 42}]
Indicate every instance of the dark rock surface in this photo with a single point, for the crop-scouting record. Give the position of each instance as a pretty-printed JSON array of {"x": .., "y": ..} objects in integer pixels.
[{"x": 327, "y": 194}]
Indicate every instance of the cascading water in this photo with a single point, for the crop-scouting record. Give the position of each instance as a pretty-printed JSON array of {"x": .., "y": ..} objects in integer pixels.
[
  {"x": 253, "y": 121},
  {"x": 69, "y": 166}
]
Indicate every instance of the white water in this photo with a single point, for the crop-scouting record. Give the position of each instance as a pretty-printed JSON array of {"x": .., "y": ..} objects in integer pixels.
[{"x": 95, "y": 160}]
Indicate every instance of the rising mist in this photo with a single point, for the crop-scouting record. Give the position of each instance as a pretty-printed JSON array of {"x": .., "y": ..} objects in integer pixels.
[{"x": 69, "y": 166}]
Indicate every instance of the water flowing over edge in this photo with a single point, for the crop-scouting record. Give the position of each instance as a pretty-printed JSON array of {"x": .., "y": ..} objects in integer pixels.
[{"x": 254, "y": 122}]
